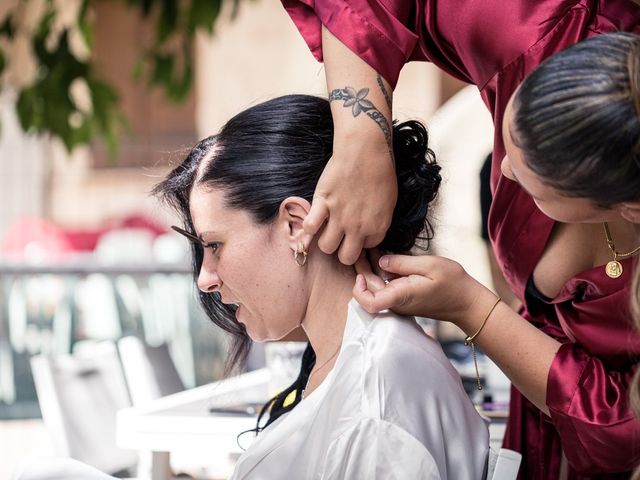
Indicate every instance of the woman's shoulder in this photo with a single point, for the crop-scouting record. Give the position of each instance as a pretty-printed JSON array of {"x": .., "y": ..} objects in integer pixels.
[
  {"x": 410, "y": 387},
  {"x": 394, "y": 343}
]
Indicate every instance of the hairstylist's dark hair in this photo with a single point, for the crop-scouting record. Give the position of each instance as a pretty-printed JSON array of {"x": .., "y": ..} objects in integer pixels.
[
  {"x": 576, "y": 118},
  {"x": 279, "y": 149}
]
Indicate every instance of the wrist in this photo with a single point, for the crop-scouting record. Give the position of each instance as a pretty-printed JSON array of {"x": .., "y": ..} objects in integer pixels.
[
  {"x": 357, "y": 132},
  {"x": 479, "y": 306},
  {"x": 362, "y": 123},
  {"x": 362, "y": 146}
]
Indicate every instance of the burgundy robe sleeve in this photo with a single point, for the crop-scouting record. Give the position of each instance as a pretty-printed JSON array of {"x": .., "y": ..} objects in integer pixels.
[
  {"x": 588, "y": 383},
  {"x": 375, "y": 32},
  {"x": 589, "y": 405}
]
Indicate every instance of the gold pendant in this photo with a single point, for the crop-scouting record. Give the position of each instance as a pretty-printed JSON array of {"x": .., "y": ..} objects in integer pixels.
[{"x": 613, "y": 269}]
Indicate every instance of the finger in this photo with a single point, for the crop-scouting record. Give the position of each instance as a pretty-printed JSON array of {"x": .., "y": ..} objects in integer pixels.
[
  {"x": 350, "y": 249},
  {"x": 374, "y": 282},
  {"x": 408, "y": 264},
  {"x": 374, "y": 255},
  {"x": 392, "y": 296},
  {"x": 374, "y": 240},
  {"x": 316, "y": 217},
  {"x": 331, "y": 237},
  {"x": 364, "y": 296},
  {"x": 363, "y": 265}
]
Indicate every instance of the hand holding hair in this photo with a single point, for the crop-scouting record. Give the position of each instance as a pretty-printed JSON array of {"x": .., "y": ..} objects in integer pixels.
[{"x": 356, "y": 190}]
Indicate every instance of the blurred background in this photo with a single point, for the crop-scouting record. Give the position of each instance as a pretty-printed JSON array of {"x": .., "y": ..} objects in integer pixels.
[{"x": 98, "y": 100}]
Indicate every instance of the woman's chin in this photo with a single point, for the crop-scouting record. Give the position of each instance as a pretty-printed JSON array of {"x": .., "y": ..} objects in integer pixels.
[
  {"x": 257, "y": 338},
  {"x": 260, "y": 337}
]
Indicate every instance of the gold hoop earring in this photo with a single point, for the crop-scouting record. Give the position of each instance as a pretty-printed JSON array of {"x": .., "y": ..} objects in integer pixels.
[{"x": 300, "y": 261}]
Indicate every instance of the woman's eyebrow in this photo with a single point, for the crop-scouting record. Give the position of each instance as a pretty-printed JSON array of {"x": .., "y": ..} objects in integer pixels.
[{"x": 207, "y": 233}]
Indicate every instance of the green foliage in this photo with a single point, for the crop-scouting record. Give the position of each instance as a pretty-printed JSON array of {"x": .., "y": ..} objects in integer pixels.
[
  {"x": 203, "y": 14},
  {"x": 176, "y": 22},
  {"x": 46, "y": 106}
]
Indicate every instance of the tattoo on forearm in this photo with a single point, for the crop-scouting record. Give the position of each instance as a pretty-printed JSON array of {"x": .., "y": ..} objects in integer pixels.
[
  {"x": 358, "y": 103},
  {"x": 384, "y": 90}
]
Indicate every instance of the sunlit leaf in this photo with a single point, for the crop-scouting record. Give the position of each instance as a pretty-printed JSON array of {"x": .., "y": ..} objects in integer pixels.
[{"x": 138, "y": 69}]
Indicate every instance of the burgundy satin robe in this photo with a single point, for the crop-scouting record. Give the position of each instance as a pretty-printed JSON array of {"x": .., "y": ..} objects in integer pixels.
[{"x": 494, "y": 44}]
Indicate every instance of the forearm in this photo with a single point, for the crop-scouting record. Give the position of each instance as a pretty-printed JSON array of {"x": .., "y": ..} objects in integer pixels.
[
  {"x": 522, "y": 352},
  {"x": 361, "y": 100}
]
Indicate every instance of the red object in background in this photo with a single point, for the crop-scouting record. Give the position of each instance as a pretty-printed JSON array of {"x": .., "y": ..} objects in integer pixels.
[
  {"x": 40, "y": 239},
  {"x": 29, "y": 238},
  {"x": 140, "y": 222},
  {"x": 84, "y": 240}
]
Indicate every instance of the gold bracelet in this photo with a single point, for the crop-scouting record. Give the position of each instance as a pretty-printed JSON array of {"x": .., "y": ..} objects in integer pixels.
[{"x": 469, "y": 341}]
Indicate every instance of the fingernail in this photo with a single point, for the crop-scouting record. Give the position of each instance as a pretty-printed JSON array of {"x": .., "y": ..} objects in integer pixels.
[{"x": 383, "y": 262}]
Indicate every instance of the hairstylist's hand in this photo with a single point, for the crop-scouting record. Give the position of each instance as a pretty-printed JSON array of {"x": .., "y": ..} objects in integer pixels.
[
  {"x": 354, "y": 199},
  {"x": 369, "y": 262},
  {"x": 427, "y": 286}
]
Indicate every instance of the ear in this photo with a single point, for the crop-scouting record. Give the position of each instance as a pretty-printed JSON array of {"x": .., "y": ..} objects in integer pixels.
[
  {"x": 630, "y": 211},
  {"x": 293, "y": 211}
]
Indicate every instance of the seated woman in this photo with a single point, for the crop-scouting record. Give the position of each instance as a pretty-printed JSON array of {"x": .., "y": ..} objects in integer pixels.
[{"x": 364, "y": 406}]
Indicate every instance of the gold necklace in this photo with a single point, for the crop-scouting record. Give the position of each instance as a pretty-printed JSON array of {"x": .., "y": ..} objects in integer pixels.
[
  {"x": 614, "y": 267},
  {"x": 315, "y": 370}
]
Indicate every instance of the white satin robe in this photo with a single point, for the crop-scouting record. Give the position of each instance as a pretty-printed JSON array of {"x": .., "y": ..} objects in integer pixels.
[{"x": 393, "y": 407}]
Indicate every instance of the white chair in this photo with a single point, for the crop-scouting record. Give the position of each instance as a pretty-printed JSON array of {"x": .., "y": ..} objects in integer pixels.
[
  {"x": 79, "y": 396},
  {"x": 149, "y": 371}
]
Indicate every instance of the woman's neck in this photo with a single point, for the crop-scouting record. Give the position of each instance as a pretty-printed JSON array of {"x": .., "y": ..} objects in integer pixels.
[{"x": 327, "y": 309}]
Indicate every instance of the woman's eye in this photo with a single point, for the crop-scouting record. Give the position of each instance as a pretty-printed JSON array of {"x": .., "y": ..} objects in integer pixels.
[{"x": 213, "y": 246}]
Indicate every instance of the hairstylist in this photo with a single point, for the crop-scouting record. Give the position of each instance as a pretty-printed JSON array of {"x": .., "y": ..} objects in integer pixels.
[
  {"x": 574, "y": 358},
  {"x": 570, "y": 359}
]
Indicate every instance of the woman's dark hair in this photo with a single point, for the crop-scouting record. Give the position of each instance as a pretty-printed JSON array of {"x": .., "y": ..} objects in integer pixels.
[
  {"x": 279, "y": 149},
  {"x": 576, "y": 118}
]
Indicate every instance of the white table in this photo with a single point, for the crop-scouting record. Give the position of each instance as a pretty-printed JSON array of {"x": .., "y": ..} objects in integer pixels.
[{"x": 182, "y": 424}]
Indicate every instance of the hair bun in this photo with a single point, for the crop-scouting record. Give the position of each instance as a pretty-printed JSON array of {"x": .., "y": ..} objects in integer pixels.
[{"x": 418, "y": 182}]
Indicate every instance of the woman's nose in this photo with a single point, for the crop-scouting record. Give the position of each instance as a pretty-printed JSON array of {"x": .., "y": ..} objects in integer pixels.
[
  {"x": 208, "y": 279},
  {"x": 505, "y": 167}
]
